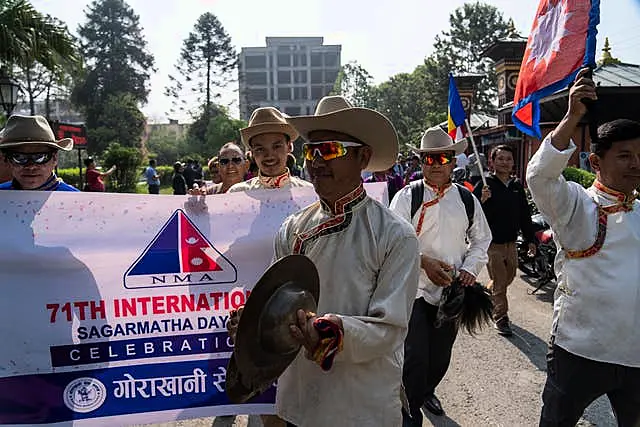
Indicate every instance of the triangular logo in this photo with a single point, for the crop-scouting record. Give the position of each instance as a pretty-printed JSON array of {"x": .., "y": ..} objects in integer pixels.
[{"x": 179, "y": 255}]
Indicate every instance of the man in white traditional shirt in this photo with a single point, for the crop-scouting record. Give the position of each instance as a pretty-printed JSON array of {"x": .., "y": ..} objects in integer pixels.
[
  {"x": 270, "y": 139},
  {"x": 366, "y": 259},
  {"x": 446, "y": 217},
  {"x": 595, "y": 343}
]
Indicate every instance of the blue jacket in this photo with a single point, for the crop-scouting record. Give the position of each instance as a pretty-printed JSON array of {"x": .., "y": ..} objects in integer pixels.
[{"x": 53, "y": 184}]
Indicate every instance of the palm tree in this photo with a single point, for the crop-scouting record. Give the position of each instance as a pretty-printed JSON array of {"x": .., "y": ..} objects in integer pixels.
[{"x": 27, "y": 36}]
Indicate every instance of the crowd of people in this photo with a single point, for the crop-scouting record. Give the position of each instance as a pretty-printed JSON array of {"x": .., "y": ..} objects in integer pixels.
[{"x": 383, "y": 268}]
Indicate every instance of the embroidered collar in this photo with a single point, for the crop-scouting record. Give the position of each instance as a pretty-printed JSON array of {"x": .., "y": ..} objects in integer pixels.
[
  {"x": 335, "y": 224},
  {"x": 346, "y": 202},
  {"x": 275, "y": 181},
  {"x": 438, "y": 189},
  {"x": 622, "y": 201},
  {"x": 50, "y": 185}
]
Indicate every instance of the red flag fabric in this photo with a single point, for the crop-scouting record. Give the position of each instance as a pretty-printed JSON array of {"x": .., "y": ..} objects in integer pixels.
[{"x": 562, "y": 40}]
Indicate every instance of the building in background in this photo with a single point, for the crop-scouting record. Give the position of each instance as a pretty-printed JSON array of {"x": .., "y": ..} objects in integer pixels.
[
  {"x": 59, "y": 109},
  {"x": 290, "y": 73}
]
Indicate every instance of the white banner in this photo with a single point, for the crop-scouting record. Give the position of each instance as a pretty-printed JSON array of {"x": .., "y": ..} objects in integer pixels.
[{"x": 114, "y": 307}]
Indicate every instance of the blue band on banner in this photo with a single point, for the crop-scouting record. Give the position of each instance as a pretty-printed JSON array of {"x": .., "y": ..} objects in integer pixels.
[
  {"x": 49, "y": 398},
  {"x": 142, "y": 348}
]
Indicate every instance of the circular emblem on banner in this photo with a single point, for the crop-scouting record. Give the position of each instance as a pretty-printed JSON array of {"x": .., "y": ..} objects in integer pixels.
[
  {"x": 466, "y": 103},
  {"x": 84, "y": 395}
]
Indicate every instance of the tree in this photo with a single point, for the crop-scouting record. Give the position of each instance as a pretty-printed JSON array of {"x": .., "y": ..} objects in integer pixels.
[
  {"x": 207, "y": 135},
  {"x": 356, "y": 85},
  {"x": 127, "y": 162},
  {"x": 117, "y": 74},
  {"x": 120, "y": 121},
  {"x": 27, "y": 36},
  {"x": 473, "y": 27},
  {"x": 166, "y": 143},
  {"x": 207, "y": 61},
  {"x": 37, "y": 81}
]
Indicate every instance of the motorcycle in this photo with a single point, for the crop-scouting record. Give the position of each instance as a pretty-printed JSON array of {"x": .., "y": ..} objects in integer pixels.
[{"x": 539, "y": 266}]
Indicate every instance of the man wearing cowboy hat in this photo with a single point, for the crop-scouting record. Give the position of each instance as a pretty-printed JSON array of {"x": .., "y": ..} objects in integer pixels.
[
  {"x": 445, "y": 218},
  {"x": 368, "y": 269},
  {"x": 30, "y": 149},
  {"x": 270, "y": 139}
]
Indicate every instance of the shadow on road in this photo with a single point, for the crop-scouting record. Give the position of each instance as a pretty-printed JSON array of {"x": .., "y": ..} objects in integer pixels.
[
  {"x": 442, "y": 421},
  {"x": 544, "y": 294},
  {"x": 530, "y": 345}
]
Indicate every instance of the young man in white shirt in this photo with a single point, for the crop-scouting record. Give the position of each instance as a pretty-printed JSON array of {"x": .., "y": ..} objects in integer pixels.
[
  {"x": 595, "y": 343},
  {"x": 448, "y": 217},
  {"x": 270, "y": 139}
]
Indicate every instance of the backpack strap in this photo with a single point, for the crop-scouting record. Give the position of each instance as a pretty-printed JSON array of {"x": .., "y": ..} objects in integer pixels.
[
  {"x": 417, "y": 194},
  {"x": 469, "y": 205}
]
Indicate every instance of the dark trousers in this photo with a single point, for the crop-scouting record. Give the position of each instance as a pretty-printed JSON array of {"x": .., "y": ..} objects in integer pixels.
[
  {"x": 573, "y": 382},
  {"x": 154, "y": 189},
  {"x": 427, "y": 353}
]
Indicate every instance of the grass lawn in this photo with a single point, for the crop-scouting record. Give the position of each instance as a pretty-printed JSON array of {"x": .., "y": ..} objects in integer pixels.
[{"x": 141, "y": 188}]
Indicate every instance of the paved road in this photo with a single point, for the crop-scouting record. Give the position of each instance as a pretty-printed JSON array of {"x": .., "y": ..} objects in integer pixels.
[{"x": 492, "y": 381}]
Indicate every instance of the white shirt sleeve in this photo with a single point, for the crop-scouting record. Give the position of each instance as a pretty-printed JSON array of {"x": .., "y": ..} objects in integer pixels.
[
  {"x": 401, "y": 204},
  {"x": 565, "y": 205},
  {"x": 479, "y": 240}
]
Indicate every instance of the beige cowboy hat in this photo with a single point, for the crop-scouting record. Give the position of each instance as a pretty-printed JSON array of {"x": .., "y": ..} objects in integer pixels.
[
  {"x": 336, "y": 114},
  {"x": 436, "y": 140},
  {"x": 264, "y": 347},
  {"x": 267, "y": 120},
  {"x": 22, "y": 130}
]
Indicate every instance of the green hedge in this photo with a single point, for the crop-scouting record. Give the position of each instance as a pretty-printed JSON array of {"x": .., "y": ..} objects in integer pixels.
[
  {"x": 71, "y": 176},
  {"x": 581, "y": 176}
]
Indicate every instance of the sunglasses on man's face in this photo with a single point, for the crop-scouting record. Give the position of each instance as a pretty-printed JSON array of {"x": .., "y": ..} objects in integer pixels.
[
  {"x": 23, "y": 159},
  {"x": 328, "y": 150},
  {"x": 439, "y": 158},
  {"x": 224, "y": 161}
]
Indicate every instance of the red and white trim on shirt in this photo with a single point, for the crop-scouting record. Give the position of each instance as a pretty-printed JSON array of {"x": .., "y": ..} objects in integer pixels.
[{"x": 343, "y": 213}]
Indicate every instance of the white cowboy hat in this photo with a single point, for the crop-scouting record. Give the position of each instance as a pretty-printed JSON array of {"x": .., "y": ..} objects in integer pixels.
[
  {"x": 436, "y": 140},
  {"x": 23, "y": 130},
  {"x": 335, "y": 113},
  {"x": 267, "y": 120}
]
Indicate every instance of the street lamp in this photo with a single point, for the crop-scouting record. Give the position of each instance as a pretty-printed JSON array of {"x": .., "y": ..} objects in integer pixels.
[{"x": 9, "y": 91}]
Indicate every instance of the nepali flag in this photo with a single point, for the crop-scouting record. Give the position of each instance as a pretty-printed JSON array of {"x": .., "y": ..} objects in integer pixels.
[
  {"x": 562, "y": 41},
  {"x": 456, "y": 114}
]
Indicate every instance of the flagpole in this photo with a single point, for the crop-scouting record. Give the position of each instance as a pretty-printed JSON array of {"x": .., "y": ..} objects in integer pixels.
[{"x": 475, "y": 151}]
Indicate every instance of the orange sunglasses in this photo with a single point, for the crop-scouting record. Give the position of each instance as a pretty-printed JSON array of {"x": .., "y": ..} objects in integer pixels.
[
  {"x": 328, "y": 150},
  {"x": 439, "y": 158}
]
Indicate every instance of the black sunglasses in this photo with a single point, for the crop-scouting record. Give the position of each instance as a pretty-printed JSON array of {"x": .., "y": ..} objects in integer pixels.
[
  {"x": 23, "y": 159},
  {"x": 224, "y": 161}
]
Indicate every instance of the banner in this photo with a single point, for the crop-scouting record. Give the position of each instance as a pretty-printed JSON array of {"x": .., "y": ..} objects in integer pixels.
[{"x": 114, "y": 307}]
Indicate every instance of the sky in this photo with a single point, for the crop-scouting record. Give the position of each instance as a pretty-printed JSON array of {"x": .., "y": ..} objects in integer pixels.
[{"x": 385, "y": 37}]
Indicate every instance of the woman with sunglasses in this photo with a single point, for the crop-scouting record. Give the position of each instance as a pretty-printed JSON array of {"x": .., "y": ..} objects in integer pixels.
[
  {"x": 30, "y": 149},
  {"x": 232, "y": 168}
]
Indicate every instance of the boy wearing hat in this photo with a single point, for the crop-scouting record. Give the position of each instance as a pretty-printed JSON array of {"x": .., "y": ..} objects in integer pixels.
[
  {"x": 453, "y": 237},
  {"x": 270, "y": 139},
  {"x": 368, "y": 270},
  {"x": 30, "y": 149}
]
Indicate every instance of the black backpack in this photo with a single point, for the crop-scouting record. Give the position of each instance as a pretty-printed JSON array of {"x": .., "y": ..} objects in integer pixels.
[{"x": 417, "y": 193}]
